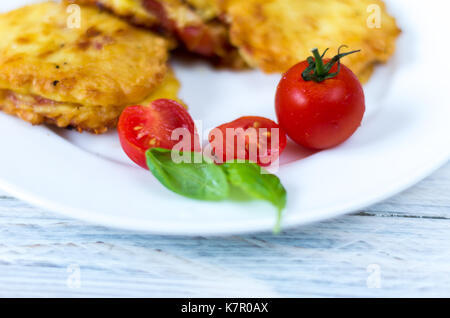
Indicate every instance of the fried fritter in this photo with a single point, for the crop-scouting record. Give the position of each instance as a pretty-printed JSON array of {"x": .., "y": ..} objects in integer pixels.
[
  {"x": 270, "y": 34},
  {"x": 197, "y": 28},
  {"x": 96, "y": 119},
  {"x": 79, "y": 77},
  {"x": 276, "y": 34}
]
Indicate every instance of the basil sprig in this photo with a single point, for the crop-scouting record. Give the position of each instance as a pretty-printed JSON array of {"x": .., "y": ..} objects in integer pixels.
[{"x": 204, "y": 180}]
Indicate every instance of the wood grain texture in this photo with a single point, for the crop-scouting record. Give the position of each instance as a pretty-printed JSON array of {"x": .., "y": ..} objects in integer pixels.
[{"x": 401, "y": 246}]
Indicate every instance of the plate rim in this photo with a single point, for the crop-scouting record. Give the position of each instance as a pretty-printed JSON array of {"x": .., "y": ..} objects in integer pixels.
[{"x": 32, "y": 199}]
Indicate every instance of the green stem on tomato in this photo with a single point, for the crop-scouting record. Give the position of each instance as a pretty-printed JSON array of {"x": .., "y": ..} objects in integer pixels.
[
  {"x": 320, "y": 71},
  {"x": 317, "y": 71}
]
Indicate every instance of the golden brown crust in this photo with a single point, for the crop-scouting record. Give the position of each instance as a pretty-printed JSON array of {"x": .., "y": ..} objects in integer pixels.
[
  {"x": 37, "y": 110},
  {"x": 128, "y": 9},
  {"x": 95, "y": 119},
  {"x": 276, "y": 34},
  {"x": 104, "y": 62}
]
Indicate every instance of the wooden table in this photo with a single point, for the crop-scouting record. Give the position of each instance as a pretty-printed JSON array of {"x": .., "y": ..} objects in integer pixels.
[{"x": 400, "y": 247}]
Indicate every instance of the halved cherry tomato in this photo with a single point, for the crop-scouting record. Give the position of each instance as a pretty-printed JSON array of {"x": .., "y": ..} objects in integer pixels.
[
  {"x": 320, "y": 108},
  {"x": 256, "y": 139},
  {"x": 144, "y": 127}
]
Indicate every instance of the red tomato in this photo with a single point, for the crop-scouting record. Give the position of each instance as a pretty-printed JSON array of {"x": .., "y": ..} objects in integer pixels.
[
  {"x": 144, "y": 127},
  {"x": 256, "y": 139},
  {"x": 321, "y": 114}
]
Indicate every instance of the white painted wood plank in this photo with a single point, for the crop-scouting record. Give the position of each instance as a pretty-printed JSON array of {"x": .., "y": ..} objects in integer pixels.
[
  {"x": 409, "y": 250},
  {"x": 326, "y": 259}
]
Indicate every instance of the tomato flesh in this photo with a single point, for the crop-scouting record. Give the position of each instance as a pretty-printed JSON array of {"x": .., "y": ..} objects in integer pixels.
[
  {"x": 256, "y": 139},
  {"x": 320, "y": 115},
  {"x": 143, "y": 127}
]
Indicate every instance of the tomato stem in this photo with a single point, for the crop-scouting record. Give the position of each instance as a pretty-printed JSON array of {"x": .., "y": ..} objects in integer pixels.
[
  {"x": 317, "y": 71},
  {"x": 319, "y": 63}
]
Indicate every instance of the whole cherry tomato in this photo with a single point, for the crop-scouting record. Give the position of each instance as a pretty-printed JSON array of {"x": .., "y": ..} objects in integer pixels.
[
  {"x": 144, "y": 127},
  {"x": 256, "y": 139},
  {"x": 320, "y": 103}
]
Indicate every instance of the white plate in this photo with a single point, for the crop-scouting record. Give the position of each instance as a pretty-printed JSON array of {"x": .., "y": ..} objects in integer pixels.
[{"x": 404, "y": 137}]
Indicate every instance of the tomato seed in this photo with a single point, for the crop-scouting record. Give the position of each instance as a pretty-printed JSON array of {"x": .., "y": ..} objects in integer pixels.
[{"x": 153, "y": 142}]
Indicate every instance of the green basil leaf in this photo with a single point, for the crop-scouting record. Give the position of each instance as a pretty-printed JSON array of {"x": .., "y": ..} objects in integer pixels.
[
  {"x": 210, "y": 182},
  {"x": 257, "y": 183},
  {"x": 202, "y": 181}
]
